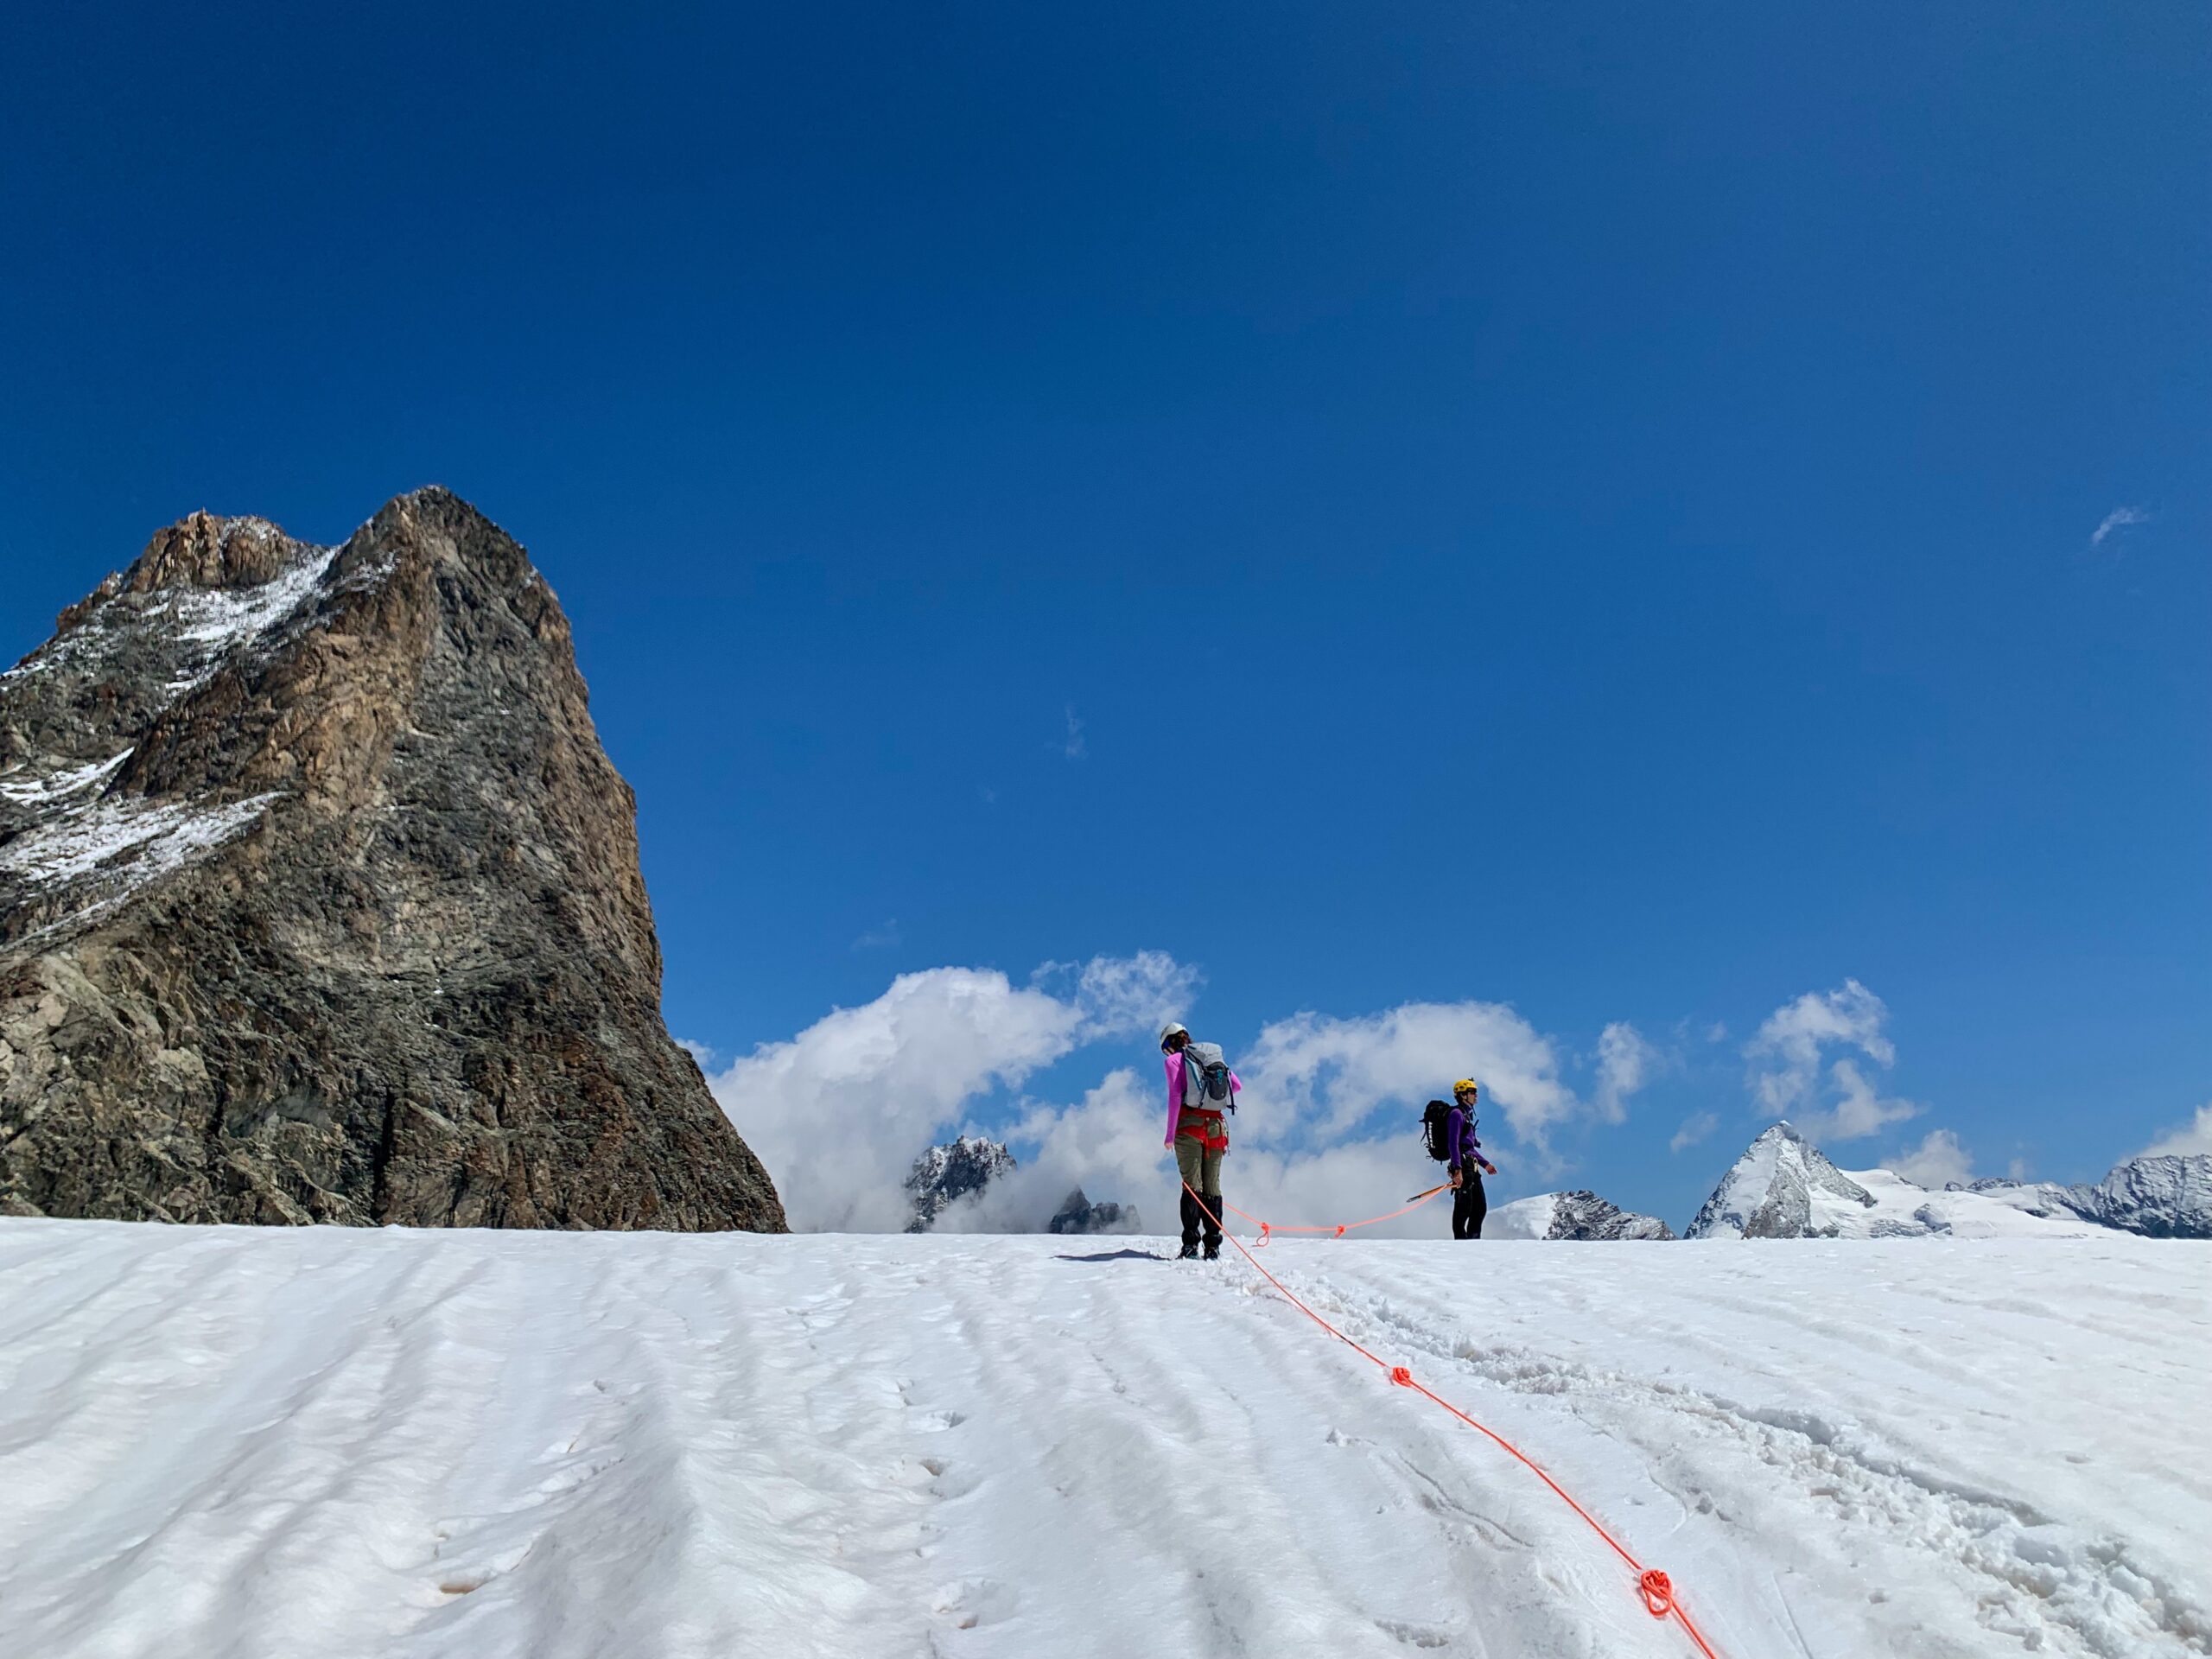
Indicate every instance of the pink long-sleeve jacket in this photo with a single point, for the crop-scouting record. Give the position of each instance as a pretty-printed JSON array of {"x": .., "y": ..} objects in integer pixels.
[{"x": 1175, "y": 1093}]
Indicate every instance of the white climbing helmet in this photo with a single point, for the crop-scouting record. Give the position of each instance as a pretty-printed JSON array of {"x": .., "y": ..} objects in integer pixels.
[{"x": 1169, "y": 1030}]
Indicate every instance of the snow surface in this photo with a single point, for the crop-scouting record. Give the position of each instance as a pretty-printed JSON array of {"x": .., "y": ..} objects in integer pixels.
[{"x": 319, "y": 1441}]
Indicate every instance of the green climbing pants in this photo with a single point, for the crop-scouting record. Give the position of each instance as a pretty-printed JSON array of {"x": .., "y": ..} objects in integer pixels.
[{"x": 1198, "y": 1163}]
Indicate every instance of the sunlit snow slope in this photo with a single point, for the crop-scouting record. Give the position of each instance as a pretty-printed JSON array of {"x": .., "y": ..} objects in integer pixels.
[{"x": 332, "y": 1442}]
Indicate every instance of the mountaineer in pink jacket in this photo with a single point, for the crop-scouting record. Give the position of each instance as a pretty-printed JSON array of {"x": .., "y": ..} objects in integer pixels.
[{"x": 1200, "y": 1089}]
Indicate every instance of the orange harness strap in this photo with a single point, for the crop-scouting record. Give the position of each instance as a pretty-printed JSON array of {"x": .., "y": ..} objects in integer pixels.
[{"x": 1205, "y": 1127}]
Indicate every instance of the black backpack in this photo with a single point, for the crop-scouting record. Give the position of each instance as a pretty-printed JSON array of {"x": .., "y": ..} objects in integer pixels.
[{"x": 1436, "y": 1129}]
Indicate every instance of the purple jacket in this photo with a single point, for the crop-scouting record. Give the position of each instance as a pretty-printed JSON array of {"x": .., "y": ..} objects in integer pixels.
[
  {"x": 1459, "y": 1139},
  {"x": 1175, "y": 1093}
]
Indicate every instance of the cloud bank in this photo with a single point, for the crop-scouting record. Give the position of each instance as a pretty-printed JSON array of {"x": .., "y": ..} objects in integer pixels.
[
  {"x": 839, "y": 1112},
  {"x": 1935, "y": 1162},
  {"x": 2191, "y": 1139}
]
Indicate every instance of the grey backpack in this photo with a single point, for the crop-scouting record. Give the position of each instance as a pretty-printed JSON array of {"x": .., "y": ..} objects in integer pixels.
[{"x": 1207, "y": 1084}]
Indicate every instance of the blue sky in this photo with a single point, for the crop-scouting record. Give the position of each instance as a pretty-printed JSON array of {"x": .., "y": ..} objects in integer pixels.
[{"x": 1592, "y": 510}]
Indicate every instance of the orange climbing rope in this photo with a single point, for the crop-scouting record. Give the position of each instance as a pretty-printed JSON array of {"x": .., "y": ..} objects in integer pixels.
[
  {"x": 1652, "y": 1585},
  {"x": 1269, "y": 1229}
]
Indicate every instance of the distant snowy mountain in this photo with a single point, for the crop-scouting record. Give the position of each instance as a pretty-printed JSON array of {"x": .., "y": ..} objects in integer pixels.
[
  {"x": 2165, "y": 1197},
  {"x": 1077, "y": 1214},
  {"x": 950, "y": 1172},
  {"x": 1577, "y": 1215},
  {"x": 1784, "y": 1187}
]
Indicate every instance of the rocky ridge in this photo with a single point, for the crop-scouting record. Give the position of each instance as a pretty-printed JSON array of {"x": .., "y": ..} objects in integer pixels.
[
  {"x": 1784, "y": 1187},
  {"x": 1077, "y": 1214},
  {"x": 319, "y": 902},
  {"x": 1580, "y": 1216},
  {"x": 2165, "y": 1195},
  {"x": 943, "y": 1175}
]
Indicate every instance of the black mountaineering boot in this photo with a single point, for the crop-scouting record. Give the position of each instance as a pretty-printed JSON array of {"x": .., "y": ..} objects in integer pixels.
[
  {"x": 1190, "y": 1218},
  {"x": 1214, "y": 1214}
]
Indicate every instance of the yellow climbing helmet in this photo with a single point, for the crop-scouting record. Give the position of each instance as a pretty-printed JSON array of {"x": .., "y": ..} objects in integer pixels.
[{"x": 1466, "y": 1086}]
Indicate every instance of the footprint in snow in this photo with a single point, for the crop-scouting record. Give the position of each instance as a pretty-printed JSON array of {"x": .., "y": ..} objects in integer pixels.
[{"x": 974, "y": 1602}]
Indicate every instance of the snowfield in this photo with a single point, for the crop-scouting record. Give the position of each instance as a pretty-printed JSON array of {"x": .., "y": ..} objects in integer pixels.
[{"x": 327, "y": 1442}]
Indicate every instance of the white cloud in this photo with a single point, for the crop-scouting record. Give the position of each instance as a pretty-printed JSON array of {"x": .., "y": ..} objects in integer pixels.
[
  {"x": 1625, "y": 1062},
  {"x": 1326, "y": 1075},
  {"x": 2118, "y": 519},
  {"x": 1860, "y": 1109},
  {"x": 1794, "y": 1034},
  {"x": 879, "y": 938},
  {"x": 839, "y": 1113},
  {"x": 1937, "y": 1161},
  {"x": 1074, "y": 746},
  {"x": 1694, "y": 1128},
  {"x": 1121, "y": 997},
  {"x": 1785, "y": 1075},
  {"x": 2190, "y": 1138}
]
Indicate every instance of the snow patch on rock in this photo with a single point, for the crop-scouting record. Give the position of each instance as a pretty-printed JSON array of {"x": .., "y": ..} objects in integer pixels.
[{"x": 131, "y": 839}]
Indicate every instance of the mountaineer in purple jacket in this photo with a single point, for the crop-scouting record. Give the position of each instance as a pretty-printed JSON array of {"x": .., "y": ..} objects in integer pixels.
[
  {"x": 1464, "y": 1157},
  {"x": 1200, "y": 1087}
]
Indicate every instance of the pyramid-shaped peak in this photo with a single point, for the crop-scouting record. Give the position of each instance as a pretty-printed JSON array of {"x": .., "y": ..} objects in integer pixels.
[{"x": 1777, "y": 1190}]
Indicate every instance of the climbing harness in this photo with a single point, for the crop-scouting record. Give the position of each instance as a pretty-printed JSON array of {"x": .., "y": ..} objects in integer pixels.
[{"x": 1205, "y": 1127}]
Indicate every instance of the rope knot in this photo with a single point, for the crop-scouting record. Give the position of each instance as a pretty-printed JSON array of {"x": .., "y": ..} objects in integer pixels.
[
  {"x": 1265, "y": 1231},
  {"x": 1404, "y": 1379},
  {"x": 1340, "y": 1232},
  {"x": 1658, "y": 1592}
]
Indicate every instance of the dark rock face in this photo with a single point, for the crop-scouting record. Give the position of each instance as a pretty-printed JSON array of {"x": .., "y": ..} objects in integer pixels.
[
  {"x": 319, "y": 902},
  {"x": 1582, "y": 1215},
  {"x": 944, "y": 1174},
  {"x": 1077, "y": 1214}
]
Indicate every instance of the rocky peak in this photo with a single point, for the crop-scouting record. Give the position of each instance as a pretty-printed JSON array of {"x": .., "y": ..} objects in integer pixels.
[
  {"x": 320, "y": 900},
  {"x": 1077, "y": 1214},
  {"x": 1778, "y": 1189},
  {"x": 944, "y": 1174},
  {"x": 205, "y": 551}
]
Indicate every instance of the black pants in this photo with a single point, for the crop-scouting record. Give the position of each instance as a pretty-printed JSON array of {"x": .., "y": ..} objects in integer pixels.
[
  {"x": 1469, "y": 1206},
  {"x": 1195, "y": 1216}
]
